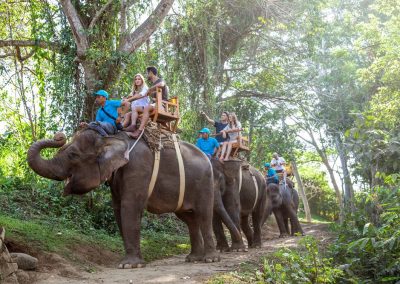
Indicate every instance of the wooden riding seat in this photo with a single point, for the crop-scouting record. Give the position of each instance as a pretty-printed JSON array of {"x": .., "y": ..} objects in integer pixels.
[
  {"x": 166, "y": 113},
  {"x": 241, "y": 146}
]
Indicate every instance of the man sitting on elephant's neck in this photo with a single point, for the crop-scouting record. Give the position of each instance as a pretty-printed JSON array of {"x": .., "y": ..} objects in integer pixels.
[
  {"x": 106, "y": 116},
  {"x": 207, "y": 144},
  {"x": 271, "y": 175}
]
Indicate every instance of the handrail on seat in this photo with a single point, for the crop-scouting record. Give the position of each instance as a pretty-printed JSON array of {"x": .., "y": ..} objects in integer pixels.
[
  {"x": 241, "y": 145},
  {"x": 166, "y": 113}
]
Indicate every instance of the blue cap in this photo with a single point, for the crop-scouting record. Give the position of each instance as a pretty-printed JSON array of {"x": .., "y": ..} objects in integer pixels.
[
  {"x": 267, "y": 165},
  {"x": 101, "y": 93},
  {"x": 205, "y": 130}
]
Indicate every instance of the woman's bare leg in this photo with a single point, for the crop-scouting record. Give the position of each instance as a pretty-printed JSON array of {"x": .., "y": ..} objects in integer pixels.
[
  {"x": 145, "y": 118},
  {"x": 127, "y": 120},
  {"x": 228, "y": 152},
  {"x": 223, "y": 150},
  {"x": 135, "y": 114}
]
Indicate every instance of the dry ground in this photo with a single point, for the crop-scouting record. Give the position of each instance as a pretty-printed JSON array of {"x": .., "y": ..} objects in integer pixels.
[{"x": 94, "y": 266}]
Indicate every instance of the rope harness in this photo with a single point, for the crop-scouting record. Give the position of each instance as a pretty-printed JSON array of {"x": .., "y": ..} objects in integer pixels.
[
  {"x": 156, "y": 167},
  {"x": 256, "y": 186},
  {"x": 254, "y": 181}
]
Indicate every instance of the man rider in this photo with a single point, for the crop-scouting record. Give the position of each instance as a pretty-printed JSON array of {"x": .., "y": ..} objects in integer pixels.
[
  {"x": 106, "y": 116},
  {"x": 278, "y": 163},
  {"x": 219, "y": 125},
  {"x": 271, "y": 176},
  {"x": 206, "y": 143}
]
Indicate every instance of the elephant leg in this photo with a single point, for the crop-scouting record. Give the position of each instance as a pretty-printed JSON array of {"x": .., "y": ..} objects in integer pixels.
[
  {"x": 196, "y": 240},
  {"x": 233, "y": 211},
  {"x": 204, "y": 219},
  {"x": 220, "y": 210},
  {"x": 286, "y": 222},
  {"x": 291, "y": 227},
  {"x": 257, "y": 219},
  {"x": 131, "y": 216},
  {"x": 222, "y": 243},
  {"x": 281, "y": 225},
  {"x": 247, "y": 230},
  {"x": 117, "y": 213},
  {"x": 294, "y": 220}
]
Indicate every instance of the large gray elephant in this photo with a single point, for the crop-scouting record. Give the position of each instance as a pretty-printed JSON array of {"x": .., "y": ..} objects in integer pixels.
[
  {"x": 246, "y": 196},
  {"x": 90, "y": 160},
  {"x": 227, "y": 204},
  {"x": 283, "y": 201},
  {"x": 252, "y": 202}
]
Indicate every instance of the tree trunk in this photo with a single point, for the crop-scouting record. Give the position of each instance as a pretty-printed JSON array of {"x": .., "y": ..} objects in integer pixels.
[
  {"x": 335, "y": 185},
  {"x": 301, "y": 190},
  {"x": 324, "y": 158},
  {"x": 348, "y": 186}
]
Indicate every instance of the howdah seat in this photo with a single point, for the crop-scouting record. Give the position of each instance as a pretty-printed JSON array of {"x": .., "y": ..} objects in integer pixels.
[{"x": 166, "y": 113}]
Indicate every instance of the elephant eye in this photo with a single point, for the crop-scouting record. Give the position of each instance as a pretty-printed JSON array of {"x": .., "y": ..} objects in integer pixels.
[{"x": 73, "y": 155}]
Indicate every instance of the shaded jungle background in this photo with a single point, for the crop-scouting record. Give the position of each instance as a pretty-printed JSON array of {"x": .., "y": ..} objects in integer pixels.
[{"x": 316, "y": 81}]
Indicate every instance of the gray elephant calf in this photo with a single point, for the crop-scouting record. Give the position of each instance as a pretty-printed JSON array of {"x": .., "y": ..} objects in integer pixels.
[{"x": 283, "y": 201}]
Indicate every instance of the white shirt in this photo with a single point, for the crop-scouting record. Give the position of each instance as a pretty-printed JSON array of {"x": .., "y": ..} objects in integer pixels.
[
  {"x": 233, "y": 135},
  {"x": 144, "y": 101},
  {"x": 277, "y": 164}
]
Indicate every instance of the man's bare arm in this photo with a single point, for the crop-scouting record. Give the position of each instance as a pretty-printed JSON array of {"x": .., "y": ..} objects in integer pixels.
[
  {"x": 207, "y": 118},
  {"x": 152, "y": 89}
]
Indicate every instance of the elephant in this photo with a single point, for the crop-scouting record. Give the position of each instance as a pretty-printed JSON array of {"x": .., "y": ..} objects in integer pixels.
[
  {"x": 283, "y": 201},
  {"x": 252, "y": 201},
  {"x": 90, "y": 159},
  {"x": 241, "y": 199},
  {"x": 227, "y": 204}
]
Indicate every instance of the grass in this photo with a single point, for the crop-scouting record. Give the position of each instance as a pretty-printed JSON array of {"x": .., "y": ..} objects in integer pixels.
[
  {"x": 245, "y": 273},
  {"x": 314, "y": 219},
  {"x": 48, "y": 236}
]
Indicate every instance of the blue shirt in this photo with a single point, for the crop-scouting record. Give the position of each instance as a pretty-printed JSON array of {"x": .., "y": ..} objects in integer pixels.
[
  {"x": 207, "y": 145},
  {"x": 111, "y": 108},
  {"x": 272, "y": 175}
]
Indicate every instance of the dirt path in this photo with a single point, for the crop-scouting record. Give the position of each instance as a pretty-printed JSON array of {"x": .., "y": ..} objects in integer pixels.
[{"x": 176, "y": 270}]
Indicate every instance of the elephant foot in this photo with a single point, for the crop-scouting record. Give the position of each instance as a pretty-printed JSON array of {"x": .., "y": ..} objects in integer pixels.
[
  {"x": 256, "y": 245},
  {"x": 212, "y": 257},
  {"x": 283, "y": 235},
  {"x": 238, "y": 247},
  {"x": 223, "y": 248},
  {"x": 131, "y": 262},
  {"x": 195, "y": 257}
]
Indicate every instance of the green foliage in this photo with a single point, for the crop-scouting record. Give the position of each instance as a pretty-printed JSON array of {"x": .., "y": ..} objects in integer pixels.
[
  {"x": 368, "y": 243},
  {"x": 54, "y": 236},
  {"x": 321, "y": 198},
  {"x": 304, "y": 266}
]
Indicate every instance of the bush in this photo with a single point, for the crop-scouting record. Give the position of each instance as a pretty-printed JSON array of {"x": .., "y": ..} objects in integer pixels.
[
  {"x": 368, "y": 243},
  {"x": 303, "y": 266}
]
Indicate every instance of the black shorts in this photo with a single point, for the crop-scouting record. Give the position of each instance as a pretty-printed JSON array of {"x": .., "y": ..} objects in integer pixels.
[{"x": 279, "y": 171}]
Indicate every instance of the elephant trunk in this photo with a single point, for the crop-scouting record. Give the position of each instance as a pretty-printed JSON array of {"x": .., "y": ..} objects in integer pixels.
[{"x": 51, "y": 169}]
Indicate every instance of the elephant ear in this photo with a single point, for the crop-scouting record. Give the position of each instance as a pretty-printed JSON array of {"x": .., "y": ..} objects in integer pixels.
[{"x": 114, "y": 154}]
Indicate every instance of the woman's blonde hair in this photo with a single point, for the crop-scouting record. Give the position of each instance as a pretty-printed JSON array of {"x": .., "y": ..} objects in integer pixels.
[
  {"x": 235, "y": 120},
  {"x": 138, "y": 88}
]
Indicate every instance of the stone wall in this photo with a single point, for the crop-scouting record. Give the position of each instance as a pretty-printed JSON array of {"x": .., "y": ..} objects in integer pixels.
[{"x": 7, "y": 267}]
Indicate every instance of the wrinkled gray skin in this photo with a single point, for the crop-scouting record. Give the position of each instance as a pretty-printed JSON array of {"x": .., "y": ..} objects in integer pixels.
[
  {"x": 252, "y": 204},
  {"x": 90, "y": 160},
  {"x": 240, "y": 204},
  {"x": 283, "y": 202},
  {"x": 227, "y": 204}
]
